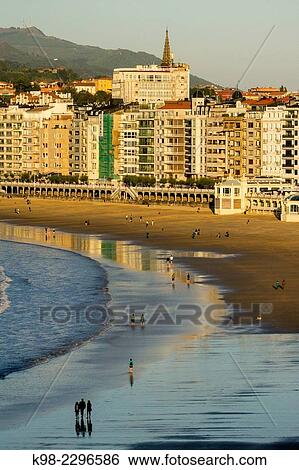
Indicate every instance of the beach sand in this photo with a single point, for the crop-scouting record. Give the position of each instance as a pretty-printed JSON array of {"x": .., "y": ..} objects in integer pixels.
[
  {"x": 194, "y": 387},
  {"x": 266, "y": 248}
]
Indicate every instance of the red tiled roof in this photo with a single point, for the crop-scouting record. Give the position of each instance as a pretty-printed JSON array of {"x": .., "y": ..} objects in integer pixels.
[
  {"x": 177, "y": 105},
  {"x": 262, "y": 102}
]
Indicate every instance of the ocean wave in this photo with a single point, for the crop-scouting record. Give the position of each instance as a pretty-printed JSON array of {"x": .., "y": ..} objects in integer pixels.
[{"x": 4, "y": 284}]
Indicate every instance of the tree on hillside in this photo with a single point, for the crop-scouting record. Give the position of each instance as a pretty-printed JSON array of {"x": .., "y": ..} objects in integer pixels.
[
  {"x": 22, "y": 84},
  {"x": 83, "y": 98}
]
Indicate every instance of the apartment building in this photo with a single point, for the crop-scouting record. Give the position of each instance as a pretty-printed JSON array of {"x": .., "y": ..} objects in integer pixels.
[
  {"x": 216, "y": 148},
  {"x": 126, "y": 139},
  {"x": 290, "y": 145},
  {"x": 54, "y": 142},
  {"x": 84, "y": 144},
  {"x": 11, "y": 137},
  {"x": 173, "y": 140},
  {"x": 200, "y": 114},
  {"x": 271, "y": 154},
  {"x": 252, "y": 144},
  {"x": 106, "y": 151},
  {"x": 29, "y": 140}
]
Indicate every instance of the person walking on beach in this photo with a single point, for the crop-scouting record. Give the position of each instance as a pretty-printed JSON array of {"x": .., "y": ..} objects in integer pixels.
[
  {"x": 147, "y": 234},
  {"x": 89, "y": 409},
  {"x": 146, "y": 223},
  {"x": 188, "y": 279},
  {"x": 142, "y": 320},
  {"x": 171, "y": 259},
  {"x": 77, "y": 409},
  {"x": 82, "y": 406},
  {"x": 173, "y": 279},
  {"x": 132, "y": 319},
  {"x": 131, "y": 365}
]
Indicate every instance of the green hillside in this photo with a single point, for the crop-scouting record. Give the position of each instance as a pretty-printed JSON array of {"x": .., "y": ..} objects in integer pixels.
[{"x": 31, "y": 47}]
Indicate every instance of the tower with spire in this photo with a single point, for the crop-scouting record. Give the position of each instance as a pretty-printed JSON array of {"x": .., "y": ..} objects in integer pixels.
[{"x": 167, "y": 56}]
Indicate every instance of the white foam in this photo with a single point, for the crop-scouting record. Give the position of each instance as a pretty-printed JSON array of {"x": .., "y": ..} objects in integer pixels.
[{"x": 4, "y": 283}]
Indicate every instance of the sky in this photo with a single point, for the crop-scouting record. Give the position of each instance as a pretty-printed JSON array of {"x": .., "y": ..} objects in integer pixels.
[{"x": 218, "y": 38}]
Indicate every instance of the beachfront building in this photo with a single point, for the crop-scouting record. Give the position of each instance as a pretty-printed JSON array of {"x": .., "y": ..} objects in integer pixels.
[
  {"x": 106, "y": 150},
  {"x": 173, "y": 139},
  {"x": 200, "y": 113},
  {"x": 290, "y": 209},
  {"x": 152, "y": 83},
  {"x": 84, "y": 144},
  {"x": 290, "y": 145},
  {"x": 271, "y": 155},
  {"x": 54, "y": 142},
  {"x": 234, "y": 126},
  {"x": 126, "y": 141},
  {"x": 264, "y": 195},
  {"x": 166, "y": 142},
  {"x": 34, "y": 140},
  {"x": 11, "y": 142},
  {"x": 225, "y": 132}
]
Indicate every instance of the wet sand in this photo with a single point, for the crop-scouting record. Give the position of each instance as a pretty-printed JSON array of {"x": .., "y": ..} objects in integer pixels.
[{"x": 266, "y": 248}]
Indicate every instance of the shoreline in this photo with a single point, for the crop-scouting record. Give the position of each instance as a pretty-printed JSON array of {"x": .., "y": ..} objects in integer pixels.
[
  {"x": 264, "y": 247},
  {"x": 112, "y": 334}
]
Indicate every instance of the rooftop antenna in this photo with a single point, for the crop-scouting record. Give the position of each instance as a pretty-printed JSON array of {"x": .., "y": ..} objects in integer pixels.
[{"x": 255, "y": 56}]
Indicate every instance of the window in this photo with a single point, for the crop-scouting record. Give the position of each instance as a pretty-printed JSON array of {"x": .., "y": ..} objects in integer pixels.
[
  {"x": 294, "y": 208},
  {"x": 226, "y": 191}
]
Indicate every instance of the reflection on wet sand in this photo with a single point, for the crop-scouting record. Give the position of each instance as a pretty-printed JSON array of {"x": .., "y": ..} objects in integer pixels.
[{"x": 124, "y": 253}]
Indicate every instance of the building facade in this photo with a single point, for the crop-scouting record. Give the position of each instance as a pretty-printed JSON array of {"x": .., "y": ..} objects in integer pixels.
[{"x": 152, "y": 83}]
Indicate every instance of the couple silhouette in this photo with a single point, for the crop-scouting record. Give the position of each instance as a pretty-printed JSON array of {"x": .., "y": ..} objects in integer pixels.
[{"x": 80, "y": 426}]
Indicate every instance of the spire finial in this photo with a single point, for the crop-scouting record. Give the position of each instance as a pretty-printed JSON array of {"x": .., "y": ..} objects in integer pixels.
[{"x": 167, "y": 60}]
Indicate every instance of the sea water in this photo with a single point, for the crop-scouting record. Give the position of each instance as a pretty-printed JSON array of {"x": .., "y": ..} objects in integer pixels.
[{"x": 44, "y": 296}]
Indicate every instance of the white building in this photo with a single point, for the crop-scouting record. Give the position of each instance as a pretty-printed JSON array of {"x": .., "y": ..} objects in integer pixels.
[
  {"x": 290, "y": 209},
  {"x": 271, "y": 157},
  {"x": 152, "y": 83}
]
